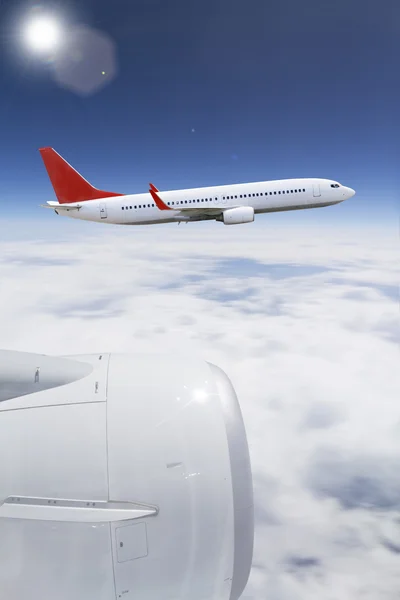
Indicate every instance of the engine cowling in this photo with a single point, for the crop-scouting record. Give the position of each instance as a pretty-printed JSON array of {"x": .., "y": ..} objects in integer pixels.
[
  {"x": 122, "y": 476},
  {"x": 236, "y": 216}
]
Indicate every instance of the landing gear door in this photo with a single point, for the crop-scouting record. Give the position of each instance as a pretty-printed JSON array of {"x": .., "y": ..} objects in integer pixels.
[
  {"x": 103, "y": 210},
  {"x": 316, "y": 191}
]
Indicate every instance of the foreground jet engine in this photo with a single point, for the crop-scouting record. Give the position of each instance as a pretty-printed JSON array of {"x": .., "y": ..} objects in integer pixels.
[{"x": 122, "y": 476}]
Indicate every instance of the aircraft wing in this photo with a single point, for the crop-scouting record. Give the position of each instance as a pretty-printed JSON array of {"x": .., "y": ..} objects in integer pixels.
[
  {"x": 189, "y": 210},
  {"x": 192, "y": 211}
]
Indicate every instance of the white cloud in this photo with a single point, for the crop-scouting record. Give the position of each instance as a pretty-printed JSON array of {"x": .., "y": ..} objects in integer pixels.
[{"x": 305, "y": 323}]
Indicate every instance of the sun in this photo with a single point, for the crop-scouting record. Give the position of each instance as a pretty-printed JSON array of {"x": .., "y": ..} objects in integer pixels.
[{"x": 42, "y": 34}]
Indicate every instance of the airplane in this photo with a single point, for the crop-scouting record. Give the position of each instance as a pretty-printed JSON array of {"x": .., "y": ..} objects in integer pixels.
[
  {"x": 128, "y": 478},
  {"x": 230, "y": 204}
]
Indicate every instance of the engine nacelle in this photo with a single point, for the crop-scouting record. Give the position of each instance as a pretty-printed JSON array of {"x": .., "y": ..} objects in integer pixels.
[
  {"x": 122, "y": 476},
  {"x": 236, "y": 216}
]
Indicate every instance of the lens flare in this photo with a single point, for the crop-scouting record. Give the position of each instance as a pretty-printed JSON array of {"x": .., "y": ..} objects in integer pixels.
[
  {"x": 43, "y": 34},
  {"x": 200, "y": 396}
]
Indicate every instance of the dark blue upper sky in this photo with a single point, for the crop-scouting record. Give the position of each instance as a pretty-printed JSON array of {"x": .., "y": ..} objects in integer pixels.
[{"x": 211, "y": 92}]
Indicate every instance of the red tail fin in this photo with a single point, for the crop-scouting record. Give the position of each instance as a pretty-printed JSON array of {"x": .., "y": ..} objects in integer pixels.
[{"x": 68, "y": 184}]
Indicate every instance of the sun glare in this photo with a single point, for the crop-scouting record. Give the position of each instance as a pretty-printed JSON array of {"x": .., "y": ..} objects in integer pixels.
[{"x": 43, "y": 34}]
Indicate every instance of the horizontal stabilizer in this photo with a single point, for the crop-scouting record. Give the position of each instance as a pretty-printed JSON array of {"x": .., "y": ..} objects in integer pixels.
[{"x": 63, "y": 207}]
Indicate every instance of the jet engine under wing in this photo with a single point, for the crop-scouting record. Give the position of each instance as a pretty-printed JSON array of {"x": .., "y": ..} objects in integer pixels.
[{"x": 108, "y": 489}]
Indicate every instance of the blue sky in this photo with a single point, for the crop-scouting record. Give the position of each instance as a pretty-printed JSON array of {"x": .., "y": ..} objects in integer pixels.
[{"x": 208, "y": 93}]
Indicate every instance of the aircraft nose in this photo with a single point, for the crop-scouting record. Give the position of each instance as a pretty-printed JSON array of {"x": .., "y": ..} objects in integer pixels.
[{"x": 350, "y": 192}]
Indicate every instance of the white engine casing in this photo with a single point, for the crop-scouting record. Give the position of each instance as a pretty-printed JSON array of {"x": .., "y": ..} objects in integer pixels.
[
  {"x": 122, "y": 476},
  {"x": 239, "y": 215}
]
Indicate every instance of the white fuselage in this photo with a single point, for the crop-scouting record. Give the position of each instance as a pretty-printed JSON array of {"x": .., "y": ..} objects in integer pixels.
[{"x": 267, "y": 196}]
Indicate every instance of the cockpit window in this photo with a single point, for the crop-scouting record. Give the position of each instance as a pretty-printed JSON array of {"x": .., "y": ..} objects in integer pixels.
[{"x": 335, "y": 185}]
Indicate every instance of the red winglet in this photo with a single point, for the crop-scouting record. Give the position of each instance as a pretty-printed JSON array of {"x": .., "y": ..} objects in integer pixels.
[
  {"x": 69, "y": 185},
  {"x": 159, "y": 203}
]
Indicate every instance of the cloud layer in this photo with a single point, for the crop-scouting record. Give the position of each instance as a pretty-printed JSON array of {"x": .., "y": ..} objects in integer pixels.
[{"x": 305, "y": 323}]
